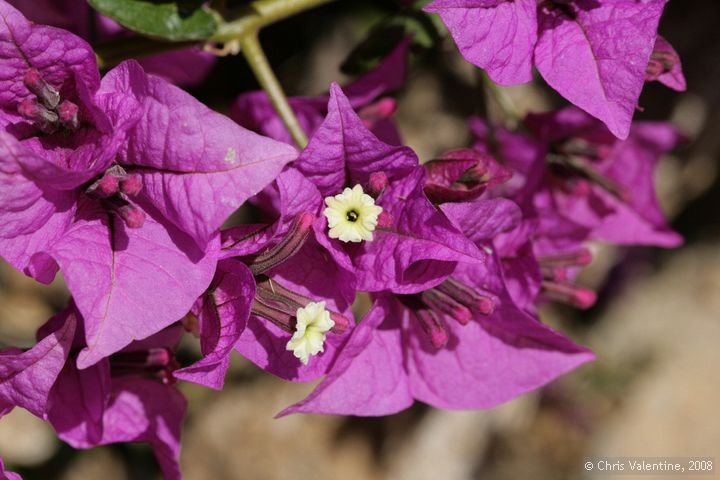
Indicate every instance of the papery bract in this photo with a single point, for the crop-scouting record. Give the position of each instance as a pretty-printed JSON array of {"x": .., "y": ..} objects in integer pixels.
[
  {"x": 594, "y": 53},
  {"x": 185, "y": 67},
  {"x": 122, "y": 190},
  {"x": 418, "y": 246}
]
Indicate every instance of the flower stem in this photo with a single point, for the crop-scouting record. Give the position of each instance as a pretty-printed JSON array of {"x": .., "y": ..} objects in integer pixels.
[
  {"x": 268, "y": 81},
  {"x": 502, "y": 99},
  {"x": 259, "y": 14}
]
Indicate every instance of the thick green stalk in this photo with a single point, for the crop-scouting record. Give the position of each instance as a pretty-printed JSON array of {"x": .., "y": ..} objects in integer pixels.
[
  {"x": 259, "y": 14},
  {"x": 268, "y": 81}
]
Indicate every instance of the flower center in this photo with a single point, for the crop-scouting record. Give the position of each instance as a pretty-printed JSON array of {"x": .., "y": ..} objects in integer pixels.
[
  {"x": 313, "y": 322},
  {"x": 352, "y": 215},
  {"x": 113, "y": 189}
]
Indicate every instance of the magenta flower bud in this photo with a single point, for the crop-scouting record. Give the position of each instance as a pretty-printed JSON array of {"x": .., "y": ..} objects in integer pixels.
[
  {"x": 385, "y": 220},
  {"x": 46, "y": 120},
  {"x": 445, "y": 304},
  {"x": 107, "y": 186},
  {"x": 132, "y": 216},
  {"x": 577, "y": 258},
  {"x": 380, "y": 110},
  {"x": 131, "y": 185},
  {"x": 572, "y": 295},
  {"x": 68, "y": 113},
  {"x": 486, "y": 305},
  {"x": 433, "y": 327},
  {"x": 377, "y": 184},
  {"x": 158, "y": 357},
  {"x": 41, "y": 89}
]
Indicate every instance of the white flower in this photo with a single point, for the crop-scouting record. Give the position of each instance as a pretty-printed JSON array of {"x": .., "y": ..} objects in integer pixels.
[
  {"x": 313, "y": 322},
  {"x": 352, "y": 215}
]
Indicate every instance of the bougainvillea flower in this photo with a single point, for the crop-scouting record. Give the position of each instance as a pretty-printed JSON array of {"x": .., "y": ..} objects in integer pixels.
[
  {"x": 412, "y": 246},
  {"x": 112, "y": 182},
  {"x": 665, "y": 66},
  {"x": 254, "y": 111},
  {"x": 594, "y": 53},
  {"x": 291, "y": 271},
  {"x": 185, "y": 67},
  {"x": 127, "y": 397},
  {"x": 461, "y": 344},
  {"x": 585, "y": 175}
]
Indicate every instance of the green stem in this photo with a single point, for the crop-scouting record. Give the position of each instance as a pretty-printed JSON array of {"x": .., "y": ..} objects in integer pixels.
[
  {"x": 502, "y": 99},
  {"x": 268, "y": 81}
]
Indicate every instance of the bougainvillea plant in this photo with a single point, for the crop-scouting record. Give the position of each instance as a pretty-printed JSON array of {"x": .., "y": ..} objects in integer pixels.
[{"x": 114, "y": 176}]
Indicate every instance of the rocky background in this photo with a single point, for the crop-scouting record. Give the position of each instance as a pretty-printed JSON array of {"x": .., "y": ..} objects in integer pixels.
[{"x": 653, "y": 391}]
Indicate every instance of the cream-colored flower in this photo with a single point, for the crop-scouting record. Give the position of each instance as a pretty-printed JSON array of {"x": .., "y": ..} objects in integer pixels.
[
  {"x": 313, "y": 322},
  {"x": 352, "y": 215}
]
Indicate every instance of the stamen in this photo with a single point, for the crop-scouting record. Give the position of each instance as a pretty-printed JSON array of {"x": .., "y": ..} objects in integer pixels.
[
  {"x": 48, "y": 95},
  {"x": 570, "y": 294},
  {"x": 288, "y": 247}
]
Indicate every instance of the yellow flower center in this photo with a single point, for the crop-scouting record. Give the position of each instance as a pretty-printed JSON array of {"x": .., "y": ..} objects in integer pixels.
[
  {"x": 313, "y": 322},
  {"x": 352, "y": 215}
]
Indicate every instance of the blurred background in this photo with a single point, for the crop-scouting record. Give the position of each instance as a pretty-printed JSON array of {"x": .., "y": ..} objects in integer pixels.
[{"x": 653, "y": 391}]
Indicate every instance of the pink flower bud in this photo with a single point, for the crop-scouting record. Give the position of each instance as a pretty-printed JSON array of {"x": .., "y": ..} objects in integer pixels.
[
  {"x": 132, "y": 216},
  {"x": 68, "y": 113},
  {"x": 377, "y": 184},
  {"x": 41, "y": 89},
  {"x": 131, "y": 185}
]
